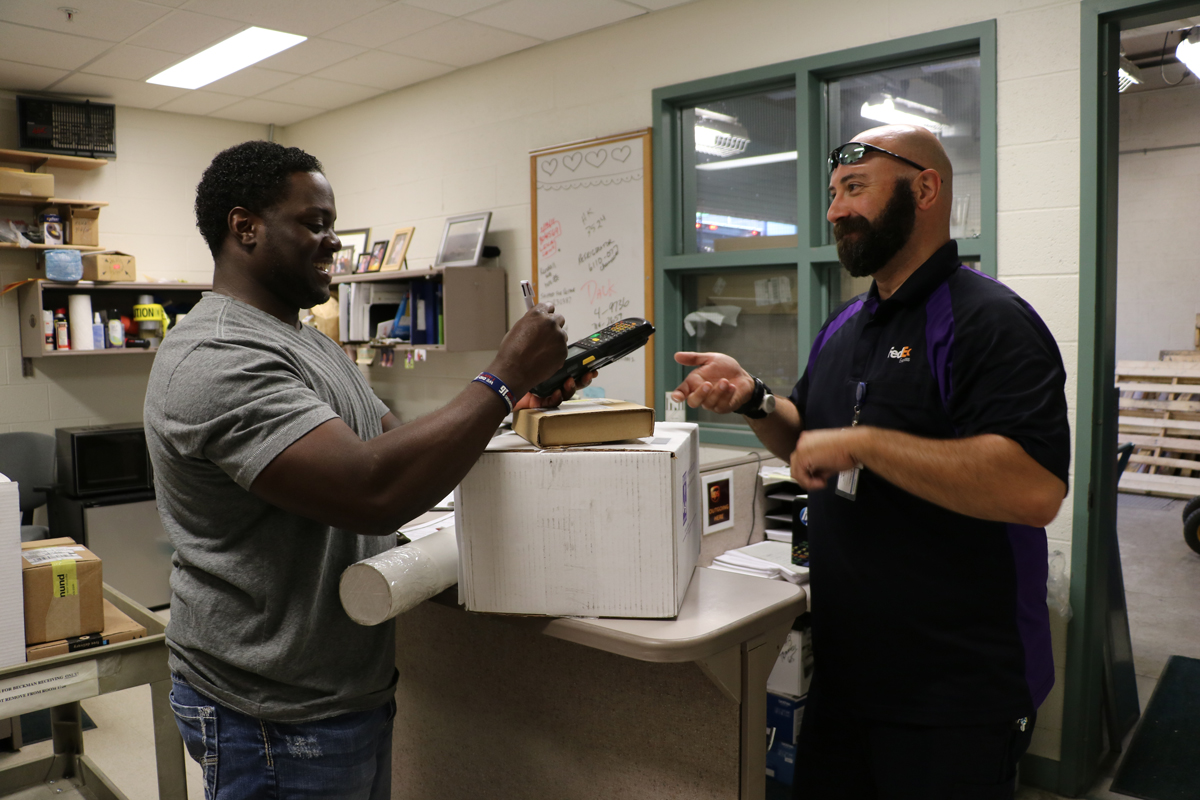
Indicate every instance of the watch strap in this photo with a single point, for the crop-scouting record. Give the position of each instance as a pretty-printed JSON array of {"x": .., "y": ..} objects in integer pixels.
[{"x": 752, "y": 408}]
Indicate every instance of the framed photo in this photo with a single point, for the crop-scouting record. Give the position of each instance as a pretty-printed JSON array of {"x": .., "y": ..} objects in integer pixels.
[
  {"x": 462, "y": 240},
  {"x": 357, "y": 239},
  {"x": 377, "y": 251},
  {"x": 717, "y": 501},
  {"x": 344, "y": 261},
  {"x": 397, "y": 247},
  {"x": 364, "y": 261}
]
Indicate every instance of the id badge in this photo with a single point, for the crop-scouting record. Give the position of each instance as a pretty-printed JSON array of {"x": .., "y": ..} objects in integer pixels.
[{"x": 847, "y": 485}]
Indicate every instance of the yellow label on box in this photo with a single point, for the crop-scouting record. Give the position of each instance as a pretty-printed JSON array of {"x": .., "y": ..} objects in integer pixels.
[{"x": 64, "y": 583}]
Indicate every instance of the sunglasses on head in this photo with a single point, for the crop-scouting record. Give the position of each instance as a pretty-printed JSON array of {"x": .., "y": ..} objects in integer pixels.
[{"x": 853, "y": 152}]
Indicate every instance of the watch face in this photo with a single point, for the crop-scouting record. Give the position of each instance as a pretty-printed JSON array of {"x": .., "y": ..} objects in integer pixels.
[{"x": 768, "y": 403}]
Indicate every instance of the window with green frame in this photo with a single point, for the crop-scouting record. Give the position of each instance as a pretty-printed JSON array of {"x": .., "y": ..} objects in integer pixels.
[{"x": 744, "y": 259}]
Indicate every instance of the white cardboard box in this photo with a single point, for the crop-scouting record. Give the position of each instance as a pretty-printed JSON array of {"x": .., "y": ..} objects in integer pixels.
[
  {"x": 12, "y": 593},
  {"x": 595, "y": 531}
]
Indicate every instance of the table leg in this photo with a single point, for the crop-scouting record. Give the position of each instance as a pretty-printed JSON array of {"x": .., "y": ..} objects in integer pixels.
[
  {"x": 758, "y": 659},
  {"x": 168, "y": 744}
]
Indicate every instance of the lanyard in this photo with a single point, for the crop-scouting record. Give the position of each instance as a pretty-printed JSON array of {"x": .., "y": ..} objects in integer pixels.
[
  {"x": 860, "y": 394},
  {"x": 847, "y": 485}
]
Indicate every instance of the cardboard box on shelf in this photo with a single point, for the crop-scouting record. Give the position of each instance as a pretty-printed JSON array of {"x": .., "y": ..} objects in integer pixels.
[
  {"x": 599, "y": 531},
  {"x": 63, "y": 590},
  {"x": 26, "y": 184},
  {"x": 118, "y": 627},
  {"x": 784, "y": 714},
  {"x": 793, "y": 669},
  {"x": 110, "y": 266},
  {"x": 587, "y": 421},
  {"x": 82, "y": 225}
]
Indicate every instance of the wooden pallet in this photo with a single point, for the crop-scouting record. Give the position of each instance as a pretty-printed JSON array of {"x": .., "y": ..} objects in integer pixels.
[{"x": 1159, "y": 412}]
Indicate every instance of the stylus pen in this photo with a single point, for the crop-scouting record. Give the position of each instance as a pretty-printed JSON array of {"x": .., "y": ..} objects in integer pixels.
[{"x": 527, "y": 293}]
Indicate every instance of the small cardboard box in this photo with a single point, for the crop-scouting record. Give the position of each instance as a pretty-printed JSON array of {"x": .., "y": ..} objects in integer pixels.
[
  {"x": 82, "y": 225},
  {"x": 110, "y": 266},
  {"x": 793, "y": 669},
  {"x": 599, "y": 531},
  {"x": 781, "y": 762},
  {"x": 26, "y": 184},
  {"x": 784, "y": 714},
  {"x": 587, "y": 421},
  {"x": 118, "y": 627},
  {"x": 64, "y": 592}
]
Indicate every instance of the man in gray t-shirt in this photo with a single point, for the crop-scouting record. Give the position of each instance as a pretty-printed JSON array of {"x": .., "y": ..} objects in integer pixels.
[{"x": 276, "y": 468}]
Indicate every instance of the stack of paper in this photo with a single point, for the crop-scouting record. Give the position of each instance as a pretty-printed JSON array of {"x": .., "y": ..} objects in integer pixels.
[
  {"x": 12, "y": 593},
  {"x": 764, "y": 560}
]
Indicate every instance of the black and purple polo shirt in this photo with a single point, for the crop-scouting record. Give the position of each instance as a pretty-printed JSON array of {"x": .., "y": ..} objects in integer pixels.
[{"x": 922, "y": 615}]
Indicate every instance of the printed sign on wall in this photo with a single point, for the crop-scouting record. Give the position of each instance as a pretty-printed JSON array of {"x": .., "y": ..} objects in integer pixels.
[{"x": 718, "y": 501}]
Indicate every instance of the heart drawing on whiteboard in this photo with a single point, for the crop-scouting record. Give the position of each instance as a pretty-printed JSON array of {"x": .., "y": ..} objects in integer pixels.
[
  {"x": 621, "y": 153},
  {"x": 549, "y": 165},
  {"x": 596, "y": 157},
  {"x": 571, "y": 162}
]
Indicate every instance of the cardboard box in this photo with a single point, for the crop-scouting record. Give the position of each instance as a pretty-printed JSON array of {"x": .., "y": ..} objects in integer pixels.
[
  {"x": 784, "y": 714},
  {"x": 118, "y": 627},
  {"x": 793, "y": 669},
  {"x": 110, "y": 266},
  {"x": 26, "y": 184},
  {"x": 82, "y": 225},
  {"x": 781, "y": 762},
  {"x": 12, "y": 599},
  {"x": 64, "y": 593},
  {"x": 600, "y": 531},
  {"x": 588, "y": 421}
]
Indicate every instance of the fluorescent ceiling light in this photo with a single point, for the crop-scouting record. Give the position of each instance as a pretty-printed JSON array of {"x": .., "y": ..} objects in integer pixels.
[
  {"x": 1127, "y": 74},
  {"x": 719, "y": 134},
  {"x": 752, "y": 161},
  {"x": 898, "y": 111},
  {"x": 1188, "y": 51},
  {"x": 225, "y": 58}
]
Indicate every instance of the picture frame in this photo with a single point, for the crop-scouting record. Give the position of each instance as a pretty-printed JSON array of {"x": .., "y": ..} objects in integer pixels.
[
  {"x": 393, "y": 259},
  {"x": 364, "y": 261},
  {"x": 356, "y": 238},
  {"x": 344, "y": 261},
  {"x": 462, "y": 240},
  {"x": 377, "y": 251},
  {"x": 717, "y": 502}
]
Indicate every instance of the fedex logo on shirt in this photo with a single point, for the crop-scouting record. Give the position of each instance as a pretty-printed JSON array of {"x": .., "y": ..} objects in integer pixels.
[{"x": 902, "y": 355}]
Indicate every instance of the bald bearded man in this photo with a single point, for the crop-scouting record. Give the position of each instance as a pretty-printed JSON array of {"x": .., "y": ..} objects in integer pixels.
[{"x": 930, "y": 430}]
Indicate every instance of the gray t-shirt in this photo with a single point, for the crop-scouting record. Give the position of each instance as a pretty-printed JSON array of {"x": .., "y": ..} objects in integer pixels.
[{"x": 256, "y": 622}]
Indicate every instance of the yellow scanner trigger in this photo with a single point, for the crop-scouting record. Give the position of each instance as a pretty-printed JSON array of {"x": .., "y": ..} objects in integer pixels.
[{"x": 588, "y": 360}]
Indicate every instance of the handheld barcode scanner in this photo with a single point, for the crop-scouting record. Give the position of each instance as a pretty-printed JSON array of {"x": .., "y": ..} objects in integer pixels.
[{"x": 598, "y": 350}]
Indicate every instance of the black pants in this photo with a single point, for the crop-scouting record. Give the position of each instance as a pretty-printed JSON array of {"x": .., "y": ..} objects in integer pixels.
[{"x": 842, "y": 757}]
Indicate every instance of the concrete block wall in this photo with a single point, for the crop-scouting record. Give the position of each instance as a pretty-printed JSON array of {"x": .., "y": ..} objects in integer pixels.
[
  {"x": 150, "y": 188},
  {"x": 1158, "y": 293}
]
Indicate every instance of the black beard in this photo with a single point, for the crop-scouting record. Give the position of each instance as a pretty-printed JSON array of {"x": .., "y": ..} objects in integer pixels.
[{"x": 875, "y": 243}]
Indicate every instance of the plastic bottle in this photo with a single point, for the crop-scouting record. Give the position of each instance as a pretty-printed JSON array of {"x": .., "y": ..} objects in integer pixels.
[
  {"x": 62, "y": 333},
  {"x": 116, "y": 329},
  {"x": 48, "y": 327},
  {"x": 97, "y": 331}
]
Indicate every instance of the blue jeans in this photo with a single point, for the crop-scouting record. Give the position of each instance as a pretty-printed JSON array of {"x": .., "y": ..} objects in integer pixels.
[{"x": 347, "y": 756}]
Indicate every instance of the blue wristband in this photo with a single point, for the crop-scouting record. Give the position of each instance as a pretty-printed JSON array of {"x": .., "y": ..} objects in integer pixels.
[{"x": 496, "y": 385}]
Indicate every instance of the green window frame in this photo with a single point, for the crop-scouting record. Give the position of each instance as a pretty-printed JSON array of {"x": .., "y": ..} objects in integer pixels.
[{"x": 816, "y": 265}]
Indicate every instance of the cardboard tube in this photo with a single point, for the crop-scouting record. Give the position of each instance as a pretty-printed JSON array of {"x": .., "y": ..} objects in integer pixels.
[
  {"x": 79, "y": 317},
  {"x": 376, "y": 589}
]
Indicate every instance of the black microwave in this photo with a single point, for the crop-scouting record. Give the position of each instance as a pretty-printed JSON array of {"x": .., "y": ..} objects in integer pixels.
[{"x": 103, "y": 459}]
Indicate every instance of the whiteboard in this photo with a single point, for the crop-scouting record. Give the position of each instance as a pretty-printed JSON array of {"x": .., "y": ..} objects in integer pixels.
[{"x": 592, "y": 249}]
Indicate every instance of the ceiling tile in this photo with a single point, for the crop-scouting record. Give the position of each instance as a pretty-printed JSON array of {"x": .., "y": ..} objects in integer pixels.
[
  {"x": 383, "y": 70},
  {"x": 185, "y": 33},
  {"x": 47, "y": 48},
  {"x": 137, "y": 94},
  {"x": 131, "y": 63},
  {"x": 554, "y": 19},
  {"x": 305, "y": 17},
  {"x": 455, "y": 8},
  {"x": 310, "y": 91},
  {"x": 249, "y": 82},
  {"x": 15, "y": 76},
  {"x": 308, "y": 57},
  {"x": 266, "y": 112},
  {"x": 386, "y": 25},
  {"x": 657, "y": 5},
  {"x": 111, "y": 20},
  {"x": 199, "y": 101},
  {"x": 462, "y": 43}
]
